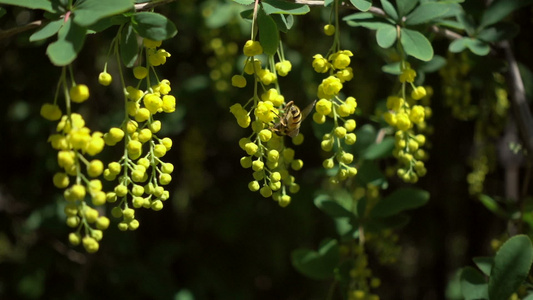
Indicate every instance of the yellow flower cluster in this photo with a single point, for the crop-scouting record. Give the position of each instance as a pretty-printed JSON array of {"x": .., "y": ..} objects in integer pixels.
[
  {"x": 331, "y": 105},
  {"x": 141, "y": 171},
  {"x": 409, "y": 120},
  {"x": 75, "y": 143},
  {"x": 267, "y": 155}
]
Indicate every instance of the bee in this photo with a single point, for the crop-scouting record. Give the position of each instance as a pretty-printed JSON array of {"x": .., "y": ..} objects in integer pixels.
[{"x": 289, "y": 122}]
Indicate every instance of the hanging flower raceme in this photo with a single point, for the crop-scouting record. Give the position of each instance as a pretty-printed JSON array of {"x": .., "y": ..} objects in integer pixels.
[
  {"x": 331, "y": 105},
  {"x": 141, "y": 172},
  {"x": 407, "y": 115},
  {"x": 266, "y": 153}
]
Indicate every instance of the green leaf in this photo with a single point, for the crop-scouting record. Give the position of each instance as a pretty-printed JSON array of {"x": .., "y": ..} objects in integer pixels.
[
  {"x": 389, "y": 9},
  {"x": 284, "y": 7},
  {"x": 331, "y": 207},
  {"x": 386, "y": 36},
  {"x": 268, "y": 33},
  {"x": 400, "y": 200},
  {"x": 499, "y": 32},
  {"x": 105, "y": 23},
  {"x": 427, "y": 12},
  {"x": 3, "y": 11},
  {"x": 366, "y": 20},
  {"x": 31, "y": 4},
  {"x": 224, "y": 14},
  {"x": 392, "y": 68},
  {"x": 369, "y": 173},
  {"x": 511, "y": 267},
  {"x": 47, "y": 30},
  {"x": 492, "y": 205},
  {"x": 381, "y": 150},
  {"x": 450, "y": 24},
  {"x": 247, "y": 14},
  {"x": 284, "y": 22},
  {"x": 468, "y": 22},
  {"x": 129, "y": 48},
  {"x": 457, "y": 45},
  {"x": 392, "y": 222},
  {"x": 477, "y": 47},
  {"x": 362, "y": 5},
  {"x": 433, "y": 65},
  {"x": 153, "y": 26},
  {"x": 328, "y": 3},
  {"x": 416, "y": 44},
  {"x": 317, "y": 265},
  {"x": 70, "y": 41},
  {"x": 405, "y": 6},
  {"x": 500, "y": 9},
  {"x": 244, "y": 2},
  {"x": 89, "y": 12},
  {"x": 473, "y": 284},
  {"x": 528, "y": 297},
  {"x": 484, "y": 264}
]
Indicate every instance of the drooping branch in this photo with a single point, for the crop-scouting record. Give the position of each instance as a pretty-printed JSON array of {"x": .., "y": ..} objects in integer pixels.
[{"x": 6, "y": 34}]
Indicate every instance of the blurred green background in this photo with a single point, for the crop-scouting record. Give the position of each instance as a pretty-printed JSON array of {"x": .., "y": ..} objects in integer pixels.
[{"x": 215, "y": 239}]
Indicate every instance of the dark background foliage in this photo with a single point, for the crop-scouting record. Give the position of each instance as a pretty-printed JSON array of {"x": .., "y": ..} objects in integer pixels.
[{"x": 215, "y": 239}]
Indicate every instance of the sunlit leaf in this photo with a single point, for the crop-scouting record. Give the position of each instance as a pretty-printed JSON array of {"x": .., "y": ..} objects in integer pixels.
[
  {"x": 47, "y": 30},
  {"x": 88, "y": 12},
  {"x": 389, "y": 9},
  {"x": 70, "y": 41},
  {"x": 367, "y": 20},
  {"x": 31, "y": 4},
  {"x": 405, "y": 6},
  {"x": 362, "y": 5},
  {"x": 284, "y": 7},
  {"x": 244, "y": 2},
  {"x": 386, "y": 36},
  {"x": 416, "y": 44},
  {"x": 427, "y": 12}
]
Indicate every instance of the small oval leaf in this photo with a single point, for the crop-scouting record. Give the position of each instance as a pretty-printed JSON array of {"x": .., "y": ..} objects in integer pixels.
[
  {"x": 416, "y": 44},
  {"x": 47, "y": 30},
  {"x": 362, "y": 5},
  {"x": 70, "y": 41},
  {"x": 153, "y": 26},
  {"x": 268, "y": 33},
  {"x": 386, "y": 36}
]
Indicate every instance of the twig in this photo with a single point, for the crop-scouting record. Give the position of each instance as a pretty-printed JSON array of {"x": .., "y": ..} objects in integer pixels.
[{"x": 5, "y": 34}]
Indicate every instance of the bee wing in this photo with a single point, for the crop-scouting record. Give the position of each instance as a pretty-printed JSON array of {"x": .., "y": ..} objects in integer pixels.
[{"x": 307, "y": 110}]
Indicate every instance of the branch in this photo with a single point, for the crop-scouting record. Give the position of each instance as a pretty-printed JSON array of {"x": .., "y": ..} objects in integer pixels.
[
  {"x": 5, "y": 34},
  {"x": 521, "y": 109}
]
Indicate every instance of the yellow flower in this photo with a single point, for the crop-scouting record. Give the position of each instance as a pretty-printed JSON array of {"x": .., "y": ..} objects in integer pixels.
[{"x": 252, "y": 48}]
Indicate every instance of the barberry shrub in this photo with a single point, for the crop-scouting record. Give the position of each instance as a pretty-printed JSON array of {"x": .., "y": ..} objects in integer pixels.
[{"x": 370, "y": 132}]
